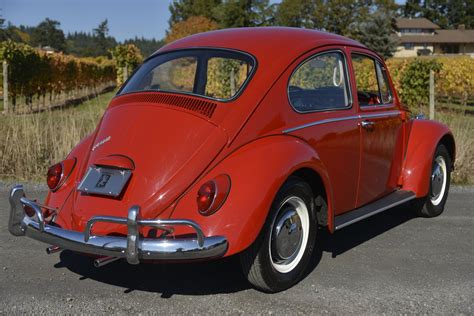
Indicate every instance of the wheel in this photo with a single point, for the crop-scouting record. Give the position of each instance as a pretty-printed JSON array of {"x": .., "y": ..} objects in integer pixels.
[
  {"x": 280, "y": 255},
  {"x": 433, "y": 204}
]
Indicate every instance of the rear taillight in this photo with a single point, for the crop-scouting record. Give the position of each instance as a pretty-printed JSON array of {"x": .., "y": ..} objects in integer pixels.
[
  {"x": 53, "y": 178},
  {"x": 212, "y": 194},
  {"x": 58, "y": 173},
  {"x": 29, "y": 210}
]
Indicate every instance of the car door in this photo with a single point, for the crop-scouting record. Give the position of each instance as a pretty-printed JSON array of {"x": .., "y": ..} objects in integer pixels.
[
  {"x": 323, "y": 115},
  {"x": 380, "y": 124}
]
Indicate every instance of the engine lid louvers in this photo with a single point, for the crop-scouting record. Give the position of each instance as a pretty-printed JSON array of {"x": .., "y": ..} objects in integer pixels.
[{"x": 203, "y": 107}]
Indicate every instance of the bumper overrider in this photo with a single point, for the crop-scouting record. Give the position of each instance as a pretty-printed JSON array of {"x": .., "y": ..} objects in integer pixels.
[{"x": 133, "y": 247}]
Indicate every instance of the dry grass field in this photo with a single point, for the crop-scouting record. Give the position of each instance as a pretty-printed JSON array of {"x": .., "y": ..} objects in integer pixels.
[{"x": 29, "y": 144}]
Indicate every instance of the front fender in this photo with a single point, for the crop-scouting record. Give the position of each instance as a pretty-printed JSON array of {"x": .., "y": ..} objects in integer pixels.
[
  {"x": 424, "y": 137},
  {"x": 257, "y": 171}
]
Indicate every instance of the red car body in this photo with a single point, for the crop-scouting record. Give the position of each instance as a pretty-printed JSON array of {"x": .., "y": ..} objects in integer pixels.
[{"x": 173, "y": 143}]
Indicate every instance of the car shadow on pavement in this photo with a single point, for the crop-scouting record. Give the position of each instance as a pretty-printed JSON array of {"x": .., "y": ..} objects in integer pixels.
[
  {"x": 221, "y": 276},
  {"x": 354, "y": 235},
  {"x": 197, "y": 278},
  {"x": 360, "y": 232}
]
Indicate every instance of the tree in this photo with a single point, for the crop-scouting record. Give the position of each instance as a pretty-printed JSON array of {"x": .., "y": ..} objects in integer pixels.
[
  {"x": 103, "y": 41},
  {"x": 412, "y": 9},
  {"x": 146, "y": 46},
  {"x": 337, "y": 16},
  {"x": 460, "y": 12},
  {"x": 125, "y": 56},
  {"x": 181, "y": 10},
  {"x": 193, "y": 25},
  {"x": 376, "y": 33},
  {"x": 3, "y": 34},
  {"x": 244, "y": 13},
  {"x": 295, "y": 13},
  {"x": 47, "y": 33},
  {"x": 445, "y": 13}
]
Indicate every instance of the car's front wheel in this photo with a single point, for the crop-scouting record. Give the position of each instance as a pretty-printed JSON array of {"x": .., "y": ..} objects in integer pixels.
[{"x": 280, "y": 255}]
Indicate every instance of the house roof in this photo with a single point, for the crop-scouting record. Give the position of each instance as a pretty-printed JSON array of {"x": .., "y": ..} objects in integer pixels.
[
  {"x": 415, "y": 23},
  {"x": 441, "y": 36}
]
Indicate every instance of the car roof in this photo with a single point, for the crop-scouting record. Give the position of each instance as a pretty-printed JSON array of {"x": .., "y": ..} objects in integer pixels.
[{"x": 284, "y": 43}]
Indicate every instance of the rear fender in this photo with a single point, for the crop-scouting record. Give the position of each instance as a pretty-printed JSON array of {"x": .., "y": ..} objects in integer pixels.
[
  {"x": 58, "y": 198},
  {"x": 257, "y": 170},
  {"x": 424, "y": 137}
]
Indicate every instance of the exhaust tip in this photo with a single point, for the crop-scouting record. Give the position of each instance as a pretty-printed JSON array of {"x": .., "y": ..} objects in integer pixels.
[
  {"x": 100, "y": 262},
  {"x": 52, "y": 249}
]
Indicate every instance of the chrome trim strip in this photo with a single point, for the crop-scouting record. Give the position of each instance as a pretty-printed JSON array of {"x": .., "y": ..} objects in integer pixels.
[
  {"x": 377, "y": 115},
  {"x": 132, "y": 247},
  {"x": 340, "y": 119}
]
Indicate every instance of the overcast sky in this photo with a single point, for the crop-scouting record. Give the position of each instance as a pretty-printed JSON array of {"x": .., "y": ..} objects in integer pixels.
[{"x": 127, "y": 18}]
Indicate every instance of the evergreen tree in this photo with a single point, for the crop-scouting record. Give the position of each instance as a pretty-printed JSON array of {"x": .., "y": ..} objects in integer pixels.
[
  {"x": 377, "y": 34},
  {"x": 445, "y": 13},
  {"x": 244, "y": 13},
  {"x": 181, "y": 10},
  {"x": 48, "y": 33},
  {"x": 295, "y": 13},
  {"x": 103, "y": 41}
]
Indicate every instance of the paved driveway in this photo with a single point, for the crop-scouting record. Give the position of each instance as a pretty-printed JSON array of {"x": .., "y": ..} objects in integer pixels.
[{"x": 391, "y": 263}]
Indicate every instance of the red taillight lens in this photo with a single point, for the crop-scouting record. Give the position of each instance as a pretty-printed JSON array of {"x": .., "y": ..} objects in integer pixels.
[
  {"x": 29, "y": 210},
  {"x": 59, "y": 173},
  {"x": 54, "y": 176},
  {"x": 212, "y": 194},
  {"x": 206, "y": 196}
]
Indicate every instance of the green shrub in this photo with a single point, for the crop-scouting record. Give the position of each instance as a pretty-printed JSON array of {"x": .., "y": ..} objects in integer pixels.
[{"x": 415, "y": 82}]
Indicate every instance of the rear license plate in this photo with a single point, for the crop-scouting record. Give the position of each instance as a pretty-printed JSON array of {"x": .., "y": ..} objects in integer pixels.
[{"x": 104, "y": 181}]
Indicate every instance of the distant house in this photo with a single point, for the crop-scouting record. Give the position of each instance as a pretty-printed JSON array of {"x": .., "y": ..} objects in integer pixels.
[
  {"x": 420, "y": 36},
  {"x": 48, "y": 49}
]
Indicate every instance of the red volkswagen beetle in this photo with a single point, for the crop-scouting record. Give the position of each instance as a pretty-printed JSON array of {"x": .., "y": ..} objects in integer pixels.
[{"x": 241, "y": 141}]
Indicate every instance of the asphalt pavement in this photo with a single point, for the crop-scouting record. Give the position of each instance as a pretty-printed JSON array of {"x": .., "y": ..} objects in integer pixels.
[{"x": 391, "y": 263}]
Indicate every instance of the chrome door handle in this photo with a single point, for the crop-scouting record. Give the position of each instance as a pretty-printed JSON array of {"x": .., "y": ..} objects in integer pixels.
[{"x": 368, "y": 125}]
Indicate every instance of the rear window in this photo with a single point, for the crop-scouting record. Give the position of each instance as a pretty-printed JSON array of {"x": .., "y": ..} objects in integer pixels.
[{"x": 217, "y": 74}]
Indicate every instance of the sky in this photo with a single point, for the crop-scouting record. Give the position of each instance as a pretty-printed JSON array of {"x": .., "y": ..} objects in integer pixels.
[{"x": 127, "y": 18}]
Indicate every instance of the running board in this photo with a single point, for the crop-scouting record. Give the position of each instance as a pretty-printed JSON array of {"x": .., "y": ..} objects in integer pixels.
[{"x": 385, "y": 203}]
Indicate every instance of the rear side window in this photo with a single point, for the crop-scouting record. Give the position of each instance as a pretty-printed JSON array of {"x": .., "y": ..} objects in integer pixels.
[
  {"x": 371, "y": 81},
  {"x": 174, "y": 75},
  {"x": 320, "y": 83}
]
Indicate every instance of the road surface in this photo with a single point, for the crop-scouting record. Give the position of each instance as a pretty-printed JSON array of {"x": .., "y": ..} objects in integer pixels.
[{"x": 391, "y": 263}]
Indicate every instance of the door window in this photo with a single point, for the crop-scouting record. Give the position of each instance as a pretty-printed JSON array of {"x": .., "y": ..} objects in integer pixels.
[{"x": 371, "y": 81}]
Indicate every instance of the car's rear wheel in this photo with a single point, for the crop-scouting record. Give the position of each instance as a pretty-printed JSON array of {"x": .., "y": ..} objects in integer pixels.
[
  {"x": 433, "y": 204},
  {"x": 280, "y": 255}
]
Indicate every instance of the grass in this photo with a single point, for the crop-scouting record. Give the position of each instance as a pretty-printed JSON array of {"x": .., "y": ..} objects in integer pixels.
[
  {"x": 462, "y": 126},
  {"x": 30, "y": 143}
]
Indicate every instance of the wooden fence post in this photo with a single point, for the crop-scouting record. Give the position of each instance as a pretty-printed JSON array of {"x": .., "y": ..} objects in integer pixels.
[
  {"x": 125, "y": 73},
  {"x": 432, "y": 96},
  {"x": 5, "y": 86}
]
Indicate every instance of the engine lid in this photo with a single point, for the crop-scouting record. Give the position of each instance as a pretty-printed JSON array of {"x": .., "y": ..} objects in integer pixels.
[{"x": 168, "y": 149}]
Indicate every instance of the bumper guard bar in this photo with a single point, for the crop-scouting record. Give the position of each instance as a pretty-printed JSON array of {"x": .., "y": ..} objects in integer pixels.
[{"x": 132, "y": 247}]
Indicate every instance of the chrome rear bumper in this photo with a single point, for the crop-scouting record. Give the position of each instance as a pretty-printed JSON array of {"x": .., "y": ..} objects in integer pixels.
[{"x": 132, "y": 247}]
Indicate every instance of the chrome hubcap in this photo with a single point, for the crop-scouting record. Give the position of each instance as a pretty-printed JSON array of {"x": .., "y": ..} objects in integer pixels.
[
  {"x": 289, "y": 235},
  {"x": 438, "y": 180}
]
